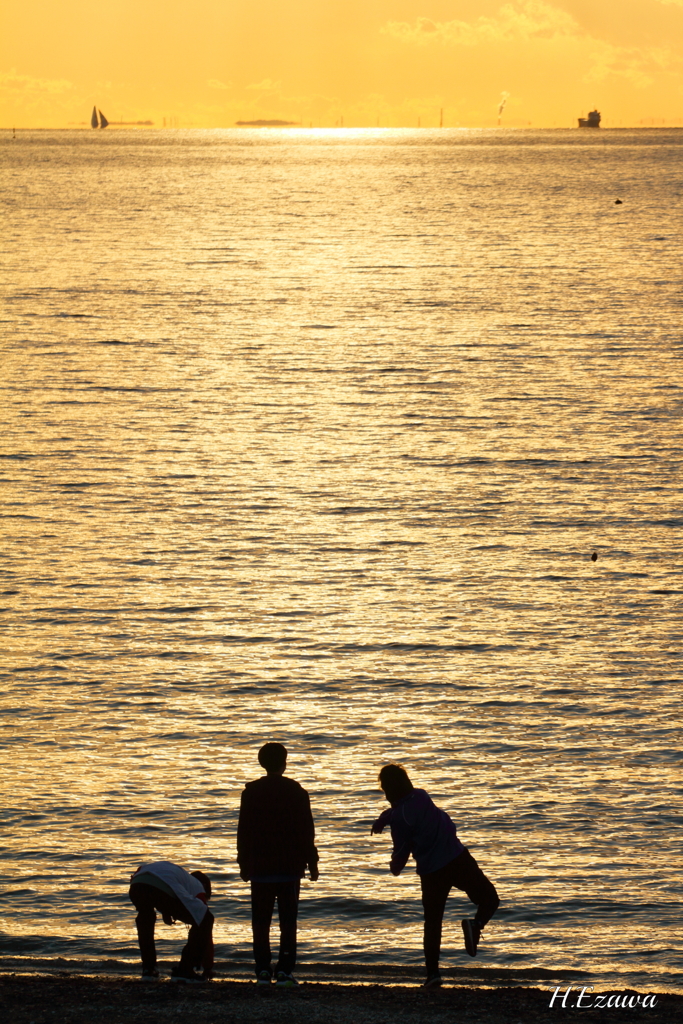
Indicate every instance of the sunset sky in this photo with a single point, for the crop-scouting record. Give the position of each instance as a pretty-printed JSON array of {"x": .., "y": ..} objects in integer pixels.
[{"x": 209, "y": 63}]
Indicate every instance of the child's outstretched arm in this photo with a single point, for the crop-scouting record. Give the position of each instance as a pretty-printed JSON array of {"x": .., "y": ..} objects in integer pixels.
[{"x": 380, "y": 823}]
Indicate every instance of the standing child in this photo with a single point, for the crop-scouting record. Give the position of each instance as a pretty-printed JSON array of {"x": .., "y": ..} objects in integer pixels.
[
  {"x": 275, "y": 845},
  {"x": 420, "y": 828}
]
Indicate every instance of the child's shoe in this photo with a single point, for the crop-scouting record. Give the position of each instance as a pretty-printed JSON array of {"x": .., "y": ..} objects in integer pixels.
[{"x": 472, "y": 933}]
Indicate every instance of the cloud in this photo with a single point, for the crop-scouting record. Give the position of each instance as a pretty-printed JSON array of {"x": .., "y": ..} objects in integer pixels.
[
  {"x": 26, "y": 84},
  {"x": 529, "y": 20},
  {"x": 539, "y": 24},
  {"x": 267, "y": 85},
  {"x": 634, "y": 65},
  {"x": 214, "y": 83}
]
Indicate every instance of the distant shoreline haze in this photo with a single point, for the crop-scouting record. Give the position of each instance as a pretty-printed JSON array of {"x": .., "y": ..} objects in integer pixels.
[
  {"x": 663, "y": 124},
  {"x": 266, "y": 124}
]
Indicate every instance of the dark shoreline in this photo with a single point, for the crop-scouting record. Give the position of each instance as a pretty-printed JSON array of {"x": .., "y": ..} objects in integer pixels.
[
  {"x": 474, "y": 974},
  {"x": 326, "y": 995}
]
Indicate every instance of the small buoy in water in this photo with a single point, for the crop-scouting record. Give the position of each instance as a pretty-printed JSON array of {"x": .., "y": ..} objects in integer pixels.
[
  {"x": 617, "y": 202},
  {"x": 594, "y": 557}
]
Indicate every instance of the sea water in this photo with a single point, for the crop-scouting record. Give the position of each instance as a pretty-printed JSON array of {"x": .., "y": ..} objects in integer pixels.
[{"x": 310, "y": 436}]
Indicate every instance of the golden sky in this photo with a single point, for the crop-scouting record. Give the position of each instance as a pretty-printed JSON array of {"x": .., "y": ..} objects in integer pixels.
[{"x": 209, "y": 63}]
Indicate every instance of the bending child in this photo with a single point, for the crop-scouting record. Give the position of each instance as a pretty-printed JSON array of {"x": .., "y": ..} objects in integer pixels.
[
  {"x": 178, "y": 896},
  {"x": 420, "y": 828}
]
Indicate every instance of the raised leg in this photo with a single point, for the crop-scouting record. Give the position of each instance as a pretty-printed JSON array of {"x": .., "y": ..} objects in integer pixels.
[{"x": 468, "y": 876}]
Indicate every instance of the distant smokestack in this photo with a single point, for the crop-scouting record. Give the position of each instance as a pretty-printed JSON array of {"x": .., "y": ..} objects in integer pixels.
[{"x": 504, "y": 96}]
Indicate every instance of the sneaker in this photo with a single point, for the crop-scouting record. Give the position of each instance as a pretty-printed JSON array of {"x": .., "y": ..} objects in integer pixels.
[
  {"x": 264, "y": 978},
  {"x": 285, "y": 980},
  {"x": 149, "y": 974},
  {"x": 433, "y": 980},
  {"x": 187, "y": 976},
  {"x": 472, "y": 934}
]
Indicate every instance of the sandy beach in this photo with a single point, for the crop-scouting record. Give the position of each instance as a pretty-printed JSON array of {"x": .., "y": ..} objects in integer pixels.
[{"x": 64, "y": 996}]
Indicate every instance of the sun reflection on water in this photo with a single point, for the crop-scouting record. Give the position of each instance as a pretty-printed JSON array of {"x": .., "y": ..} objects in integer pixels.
[{"x": 314, "y": 442}]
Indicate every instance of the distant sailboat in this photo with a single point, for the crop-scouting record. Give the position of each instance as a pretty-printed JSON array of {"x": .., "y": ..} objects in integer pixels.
[{"x": 94, "y": 122}]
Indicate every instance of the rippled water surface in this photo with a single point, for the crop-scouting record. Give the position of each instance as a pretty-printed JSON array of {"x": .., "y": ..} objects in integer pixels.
[{"x": 310, "y": 437}]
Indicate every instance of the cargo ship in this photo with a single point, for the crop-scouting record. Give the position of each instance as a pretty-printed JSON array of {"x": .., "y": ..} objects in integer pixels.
[{"x": 592, "y": 121}]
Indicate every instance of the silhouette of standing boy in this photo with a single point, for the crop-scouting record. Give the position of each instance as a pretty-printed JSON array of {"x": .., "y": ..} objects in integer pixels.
[
  {"x": 275, "y": 845},
  {"x": 420, "y": 828}
]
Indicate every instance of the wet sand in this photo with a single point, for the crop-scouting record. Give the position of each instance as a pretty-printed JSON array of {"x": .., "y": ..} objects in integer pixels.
[{"x": 67, "y": 997}]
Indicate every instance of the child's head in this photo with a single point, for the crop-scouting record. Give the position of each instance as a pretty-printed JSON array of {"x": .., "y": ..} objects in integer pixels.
[
  {"x": 394, "y": 780},
  {"x": 273, "y": 757},
  {"x": 205, "y": 880}
]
